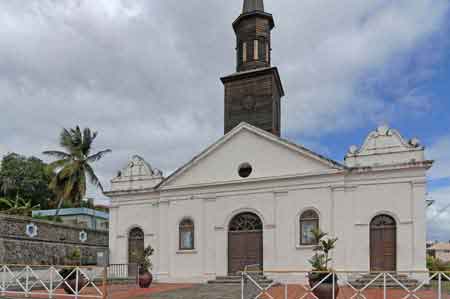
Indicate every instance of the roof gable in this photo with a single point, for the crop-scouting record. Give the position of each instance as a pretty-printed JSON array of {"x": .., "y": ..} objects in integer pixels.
[
  {"x": 385, "y": 146},
  {"x": 269, "y": 156}
]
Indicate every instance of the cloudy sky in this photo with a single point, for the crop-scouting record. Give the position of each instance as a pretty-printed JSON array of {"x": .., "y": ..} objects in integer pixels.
[{"x": 145, "y": 74}]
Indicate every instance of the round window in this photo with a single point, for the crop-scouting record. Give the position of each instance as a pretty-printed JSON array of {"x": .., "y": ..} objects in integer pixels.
[{"x": 245, "y": 170}]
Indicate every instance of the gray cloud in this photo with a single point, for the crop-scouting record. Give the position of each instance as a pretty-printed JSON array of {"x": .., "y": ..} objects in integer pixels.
[
  {"x": 439, "y": 215},
  {"x": 145, "y": 74},
  {"x": 440, "y": 152}
]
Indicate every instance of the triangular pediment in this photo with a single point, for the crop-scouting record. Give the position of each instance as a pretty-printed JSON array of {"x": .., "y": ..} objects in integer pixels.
[{"x": 268, "y": 155}]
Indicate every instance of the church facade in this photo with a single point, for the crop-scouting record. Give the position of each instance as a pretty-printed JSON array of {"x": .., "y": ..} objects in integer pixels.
[{"x": 252, "y": 197}]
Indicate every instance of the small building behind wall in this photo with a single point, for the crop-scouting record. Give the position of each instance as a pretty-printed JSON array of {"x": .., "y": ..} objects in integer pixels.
[
  {"x": 81, "y": 217},
  {"x": 441, "y": 251}
]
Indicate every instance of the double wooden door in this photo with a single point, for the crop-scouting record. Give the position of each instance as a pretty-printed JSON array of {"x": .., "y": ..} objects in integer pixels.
[
  {"x": 383, "y": 244},
  {"x": 245, "y": 243},
  {"x": 244, "y": 249}
]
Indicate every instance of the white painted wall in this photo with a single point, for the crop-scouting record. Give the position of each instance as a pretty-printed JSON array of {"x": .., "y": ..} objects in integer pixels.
[
  {"x": 345, "y": 212},
  {"x": 210, "y": 193}
]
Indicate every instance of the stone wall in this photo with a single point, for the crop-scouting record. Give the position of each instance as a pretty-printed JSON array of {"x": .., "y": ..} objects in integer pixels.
[{"x": 47, "y": 242}]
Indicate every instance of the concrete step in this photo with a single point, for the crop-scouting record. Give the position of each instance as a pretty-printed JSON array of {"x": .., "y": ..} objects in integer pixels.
[
  {"x": 364, "y": 280},
  {"x": 236, "y": 279}
]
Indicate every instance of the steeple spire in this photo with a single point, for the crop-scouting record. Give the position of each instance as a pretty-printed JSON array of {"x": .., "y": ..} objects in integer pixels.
[
  {"x": 253, "y": 93},
  {"x": 253, "y": 5}
]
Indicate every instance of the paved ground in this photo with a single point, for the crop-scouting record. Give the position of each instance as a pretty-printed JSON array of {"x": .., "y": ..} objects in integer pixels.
[
  {"x": 294, "y": 292},
  {"x": 185, "y": 291},
  {"x": 200, "y": 292}
]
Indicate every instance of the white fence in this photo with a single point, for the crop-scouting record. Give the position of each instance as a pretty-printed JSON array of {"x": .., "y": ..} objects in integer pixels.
[
  {"x": 62, "y": 281},
  {"x": 345, "y": 285}
]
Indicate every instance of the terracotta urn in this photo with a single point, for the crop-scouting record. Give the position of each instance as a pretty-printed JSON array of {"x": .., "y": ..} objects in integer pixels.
[
  {"x": 145, "y": 279},
  {"x": 72, "y": 283},
  {"x": 325, "y": 289}
]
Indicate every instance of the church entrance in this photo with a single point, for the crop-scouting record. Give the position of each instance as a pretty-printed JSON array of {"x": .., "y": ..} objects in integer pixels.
[
  {"x": 135, "y": 250},
  {"x": 245, "y": 242},
  {"x": 383, "y": 244}
]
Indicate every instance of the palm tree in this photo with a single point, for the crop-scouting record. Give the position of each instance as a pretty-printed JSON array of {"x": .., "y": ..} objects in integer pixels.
[{"x": 74, "y": 165}]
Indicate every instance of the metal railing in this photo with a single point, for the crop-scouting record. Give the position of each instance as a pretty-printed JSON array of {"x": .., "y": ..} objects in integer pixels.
[
  {"x": 345, "y": 284},
  {"x": 76, "y": 281},
  {"x": 66, "y": 281}
]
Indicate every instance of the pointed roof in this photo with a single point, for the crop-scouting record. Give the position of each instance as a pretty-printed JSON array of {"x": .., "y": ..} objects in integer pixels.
[
  {"x": 253, "y": 8},
  {"x": 253, "y": 5},
  {"x": 269, "y": 136}
]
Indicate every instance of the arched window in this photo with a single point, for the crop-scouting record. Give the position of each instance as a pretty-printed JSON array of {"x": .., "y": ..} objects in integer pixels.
[
  {"x": 309, "y": 221},
  {"x": 246, "y": 222},
  {"x": 186, "y": 231}
]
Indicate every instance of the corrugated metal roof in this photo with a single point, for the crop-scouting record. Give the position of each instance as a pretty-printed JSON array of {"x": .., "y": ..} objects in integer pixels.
[
  {"x": 71, "y": 212},
  {"x": 440, "y": 246}
]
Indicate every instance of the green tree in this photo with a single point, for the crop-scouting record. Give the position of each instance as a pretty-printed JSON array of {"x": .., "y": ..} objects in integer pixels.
[
  {"x": 18, "y": 206},
  {"x": 73, "y": 166},
  {"x": 27, "y": 178}
]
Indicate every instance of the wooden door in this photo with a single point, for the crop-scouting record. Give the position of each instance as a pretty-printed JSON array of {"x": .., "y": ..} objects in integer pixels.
[
  {"x": 135, "y": 250},
  {"x": 245, "y": 243},
  {"x": 245, "y": 249},
  {"x": 383, "y": 244}
]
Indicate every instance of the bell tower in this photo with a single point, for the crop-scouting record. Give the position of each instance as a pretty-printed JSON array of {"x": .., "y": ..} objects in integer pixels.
[{"x": 253, "y": 93}]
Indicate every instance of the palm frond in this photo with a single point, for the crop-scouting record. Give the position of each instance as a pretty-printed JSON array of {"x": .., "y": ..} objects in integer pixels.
[
  {"x": 93, "y": 177},
  {"x": 6, "y": 202},
  {"x": 56, "y": 165},
  {"x": 65, "y": 139},
  {"x": 97, "y": 156},
  {"x": 57, "y": 154},
  {"x": 77, "y": 136}
]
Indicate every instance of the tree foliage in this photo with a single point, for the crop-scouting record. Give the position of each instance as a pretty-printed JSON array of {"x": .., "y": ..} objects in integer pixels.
[
  {"x": 436, "y": 265},
  {"x": 73, "y": 165},
  {"x": 18, "y": 206},
  {"x": 25, "y": 178}
]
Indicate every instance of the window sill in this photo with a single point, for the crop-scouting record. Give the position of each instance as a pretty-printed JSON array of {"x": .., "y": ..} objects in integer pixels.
[
  {"x": 305, "y": 247},
  {"x": 190, "y": 251}
]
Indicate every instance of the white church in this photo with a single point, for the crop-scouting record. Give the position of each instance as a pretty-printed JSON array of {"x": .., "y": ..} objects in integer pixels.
[{"x": 252, "y": 197}]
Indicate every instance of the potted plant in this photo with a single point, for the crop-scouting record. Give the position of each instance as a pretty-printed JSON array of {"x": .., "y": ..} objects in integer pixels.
[
  {"x": 145, "y": 276},
  {"x": 73, "y": 258},
  {"x": 321, "y": 277},
  {"x": 69, "y": 274}
]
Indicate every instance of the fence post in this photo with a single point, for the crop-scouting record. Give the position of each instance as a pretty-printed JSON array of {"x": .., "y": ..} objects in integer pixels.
[
  {"x": 3, "y": 280},
  {"x": 334, "y": 284},
  {"x": 50, "y": 293},
  {"x": 77, "y": 275},
  {"x": 105, "y": 283},
  {"x": 27, "y": 281},
  {"x": 242, "y": 285},
  {"x": 440, "y": 285},
  {"x": 285, "y": 290},
  {"x": 384, "y": 286},
  {"x": 138, "y": 274}
]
